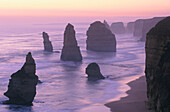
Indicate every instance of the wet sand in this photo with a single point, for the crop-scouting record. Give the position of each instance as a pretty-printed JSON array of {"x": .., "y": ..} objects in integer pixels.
[{"x": 135, "y": 101}]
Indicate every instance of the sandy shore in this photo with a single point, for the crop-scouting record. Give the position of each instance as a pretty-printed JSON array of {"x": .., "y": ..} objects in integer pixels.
[{"x": 135, "y": 101}]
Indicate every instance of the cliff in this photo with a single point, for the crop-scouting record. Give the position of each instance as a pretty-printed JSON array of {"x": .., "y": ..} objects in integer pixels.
[{"x": 158, "y": 66}]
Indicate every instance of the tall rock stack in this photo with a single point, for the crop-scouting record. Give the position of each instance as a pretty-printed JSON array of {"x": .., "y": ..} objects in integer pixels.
[
  {"x": 70, "y": 51},
  {"x": 158, "y": 66},
  {"x": 117, "y": 28},
  {"x": 106, "y": 24},
  {"x": 100, "y": 38},
  {"x": 130, "y": 27},
  {"x": 148, "y": 24},
  {"x": 47, "y": 43},
  {"x": 22, "y": 85}
]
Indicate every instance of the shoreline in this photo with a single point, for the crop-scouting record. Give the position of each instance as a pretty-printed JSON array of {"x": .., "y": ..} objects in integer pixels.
[{"x": 135, "y": 101}]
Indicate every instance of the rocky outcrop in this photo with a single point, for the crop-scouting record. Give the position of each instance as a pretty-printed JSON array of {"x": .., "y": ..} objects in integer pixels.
[
  {"x": 22, "y": 85},
  {"x": 130, "y": 27},
  {"x": 70, "y": 51},
  {"x": 106, "y": 24},
  {"x": 93, "y": 71},
  {"x": 100, "y": 38},
  {"x": 138, "y": 28},
  {"x": 117, "y": 28},
  {"x": 147, "y": 25},
  {"x": 47, "y": 43},
  {"x": 158, "y": 66}
]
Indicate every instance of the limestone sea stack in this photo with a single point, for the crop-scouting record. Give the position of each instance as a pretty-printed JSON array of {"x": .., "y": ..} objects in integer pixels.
[
  {"x": 158, "y": 66},
  {"x": 93, "y": 71},
  {"x": 106, "y": 24},
  {"x": 22, "y": 85},
  {"x": 138, "y": 28},
  {"x": 100, "y": 38},
  {"x": 70, "y": 51},
  {"x": 117, "y": 28},
  {"x": 148, "y": 24},
  {"x": 47, "y": 43},
  {"x": 130, "y": 27}
]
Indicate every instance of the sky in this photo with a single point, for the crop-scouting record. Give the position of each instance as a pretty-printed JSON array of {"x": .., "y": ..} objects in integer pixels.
[{"x": 84, "y": 7}]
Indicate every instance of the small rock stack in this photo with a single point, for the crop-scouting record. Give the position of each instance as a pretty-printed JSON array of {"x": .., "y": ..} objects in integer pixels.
[
  {"x": 93, "y": 71},
  {"x": 47, "y": 43},
  {"x": 117, "y": 28}
]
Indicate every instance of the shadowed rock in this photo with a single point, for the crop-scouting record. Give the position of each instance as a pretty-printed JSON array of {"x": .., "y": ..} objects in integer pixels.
[
  {"x": 93, "y": 72},
  {"x": 22, "y": 85},
  {"x": 100, "y": 38},
  {"x": 130, "y": 27},
  {"x": 117, "y": 28},
  {"x": 106, "y": 24},
  {"x": 70, "y": 51},
  {"x": 158, "y": 66},
  {"x": 47, "y": 43}
]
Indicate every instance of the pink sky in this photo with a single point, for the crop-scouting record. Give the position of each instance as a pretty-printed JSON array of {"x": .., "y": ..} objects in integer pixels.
[{"x": 84, "y": 8}]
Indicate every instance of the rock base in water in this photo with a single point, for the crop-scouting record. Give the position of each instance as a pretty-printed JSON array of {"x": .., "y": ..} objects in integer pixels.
[{"x": 93, "y": 72}]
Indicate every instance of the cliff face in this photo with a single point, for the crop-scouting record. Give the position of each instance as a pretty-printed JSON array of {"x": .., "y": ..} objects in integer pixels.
[
  {"x": 138, "y": 28},
  {"x": 100, "y": 38},
  {"x": 147, "y": 25},
  {"x": 70, "y": 51},
  {"x": 158, "y": 66},
  {"x": 117, "y": 28},
  {"x": 130, "y": 27},
  {"x": 22, "y": 85}
]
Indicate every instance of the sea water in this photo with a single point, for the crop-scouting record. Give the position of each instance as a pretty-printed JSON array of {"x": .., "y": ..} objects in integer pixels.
[{"x": 65, "y": 87}]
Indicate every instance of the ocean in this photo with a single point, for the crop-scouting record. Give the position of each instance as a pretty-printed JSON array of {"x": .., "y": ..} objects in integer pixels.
[{"x": 65, "y": 87}]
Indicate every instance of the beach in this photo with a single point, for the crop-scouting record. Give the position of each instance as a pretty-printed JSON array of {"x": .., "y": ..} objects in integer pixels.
[{"x": 135, "y": 101}]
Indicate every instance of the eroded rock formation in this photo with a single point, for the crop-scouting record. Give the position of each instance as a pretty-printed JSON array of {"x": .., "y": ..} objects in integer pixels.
[
  {"x": 158, "y": 66},
  {"x": 70, "y": 51},
  {"x": 130, "y": 27},
  {"x": 142, "y": 26},
  {"x": 138, "y": 28},
  {"x": 93, "y": 71},
  {"x": 22, "y": 85},
  {"x": 106, "y": 24},
  {"x": 47, "y": 43},
  {"x": 100, "y": 38},
  {"x": 117, "y": 28},
  {"x": 147, "y": 25}
]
